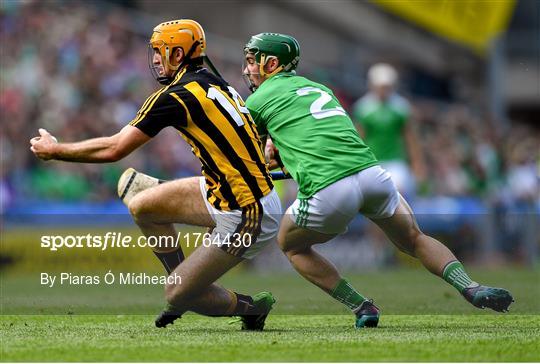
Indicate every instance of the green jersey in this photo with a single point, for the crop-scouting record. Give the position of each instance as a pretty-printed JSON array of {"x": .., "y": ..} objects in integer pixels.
[
  {"x": 383, "y": 124},
  {"x": 317, "y": 141}
]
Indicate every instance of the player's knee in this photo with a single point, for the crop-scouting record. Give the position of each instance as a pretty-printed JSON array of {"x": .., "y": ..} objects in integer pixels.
[
  {"x": 174, "y": 294},
  {"x": 170, "y": 292},
  {"x": 287, "y": 247},
  {"x": 181, "y": 295},
  {"x": 282, "y": 243},
  {"x": 291, "y": 250},
  {"x": 138, "y": 208}
]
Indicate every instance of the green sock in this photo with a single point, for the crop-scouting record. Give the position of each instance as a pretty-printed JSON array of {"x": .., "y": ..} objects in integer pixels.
[
  {"x": 346, "y": 294},
  {"x": 455, "y": 274}
]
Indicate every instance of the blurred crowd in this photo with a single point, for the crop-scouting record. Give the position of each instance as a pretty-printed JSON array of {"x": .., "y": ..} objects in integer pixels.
[
  {"x": 469, "y": 154},
  {"x": 81, "y": 71}
]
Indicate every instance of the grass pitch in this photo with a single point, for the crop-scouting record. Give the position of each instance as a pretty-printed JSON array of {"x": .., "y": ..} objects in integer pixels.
[
  {"x": 311, "y": 338},
  {"x": 423, "y": 320}
]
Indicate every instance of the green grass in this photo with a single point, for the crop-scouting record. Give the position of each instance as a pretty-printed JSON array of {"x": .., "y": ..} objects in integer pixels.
[
  {"x": 312, "y": 338},
  {"x": 403, "y": 292},
  {"x": 423, "y": 319}
]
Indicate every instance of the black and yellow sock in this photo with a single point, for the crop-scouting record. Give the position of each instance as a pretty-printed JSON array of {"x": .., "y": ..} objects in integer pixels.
[
  {"x": 171, "y": 259},
  {"x": 346, "y": 294},
  {"x": 241, "y": 305}
]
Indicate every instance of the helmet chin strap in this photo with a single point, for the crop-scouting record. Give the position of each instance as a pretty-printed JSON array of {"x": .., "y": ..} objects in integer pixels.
[
  {"x": 262, "y": 63},
  {"x": 252, "y": 87},
  {"x": 167, "y": 59},
  {"x": 166, "y": 80}
]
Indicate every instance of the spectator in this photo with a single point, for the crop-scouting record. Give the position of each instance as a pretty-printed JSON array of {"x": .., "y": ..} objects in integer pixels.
[{"x": 382, "y": 116}]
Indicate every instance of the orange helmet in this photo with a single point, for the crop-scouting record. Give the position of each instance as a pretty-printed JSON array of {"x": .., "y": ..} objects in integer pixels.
[{"x": 183, "y": 33}]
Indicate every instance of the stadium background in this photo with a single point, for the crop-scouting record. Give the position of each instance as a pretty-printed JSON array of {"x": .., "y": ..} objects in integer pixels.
[
  {"x": 79, "y": 69},
  {"x": 471, "y": 70}
]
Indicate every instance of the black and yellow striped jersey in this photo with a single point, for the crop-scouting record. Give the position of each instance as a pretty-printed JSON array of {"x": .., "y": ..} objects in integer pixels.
[{"x": 212, "y": 117}]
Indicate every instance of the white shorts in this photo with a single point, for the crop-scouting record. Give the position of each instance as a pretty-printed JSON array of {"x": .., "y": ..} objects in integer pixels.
[
  {"x": 244, "y": 233},
  {"x": 370, "y": 192}
]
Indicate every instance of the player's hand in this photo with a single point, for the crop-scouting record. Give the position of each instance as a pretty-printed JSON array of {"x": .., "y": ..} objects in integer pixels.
[
  {"x": 272, "y": 164},
  {"x": 43, "y": 146},
  {"x": 269, "y": 149},
  {"x": 270, "y": 153}
]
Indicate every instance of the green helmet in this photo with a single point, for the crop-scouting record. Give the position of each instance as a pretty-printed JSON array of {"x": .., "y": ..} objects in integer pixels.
[{"x": 284, "y": 47}]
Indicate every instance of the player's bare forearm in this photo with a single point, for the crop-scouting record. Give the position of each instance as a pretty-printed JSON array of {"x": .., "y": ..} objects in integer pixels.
[{"x": 97, "y": 150}]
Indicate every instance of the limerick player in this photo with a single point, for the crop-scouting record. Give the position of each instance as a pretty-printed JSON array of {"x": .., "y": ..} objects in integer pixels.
[
  {"x": 338, "y": 176},
  {"x": 234, "y": 197}
]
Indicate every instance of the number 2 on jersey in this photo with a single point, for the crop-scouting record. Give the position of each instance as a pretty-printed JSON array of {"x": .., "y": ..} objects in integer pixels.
[
  {"x": 214, "y": 94},
  {"x": 316, "y": 107}
]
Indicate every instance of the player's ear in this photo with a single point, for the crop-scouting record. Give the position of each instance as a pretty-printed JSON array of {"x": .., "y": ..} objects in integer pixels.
[
  {"x": 272, "y": 64},
  {"x": 178, "y": 55}
]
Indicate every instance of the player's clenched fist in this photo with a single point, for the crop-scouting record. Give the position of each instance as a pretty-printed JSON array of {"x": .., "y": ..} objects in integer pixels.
[
  {"x": 270, "y": 153},
  {"x": 42, "y": 146}
]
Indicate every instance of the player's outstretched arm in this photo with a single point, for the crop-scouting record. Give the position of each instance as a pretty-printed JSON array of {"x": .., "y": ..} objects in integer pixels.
[{"x": 97, "y": 150}]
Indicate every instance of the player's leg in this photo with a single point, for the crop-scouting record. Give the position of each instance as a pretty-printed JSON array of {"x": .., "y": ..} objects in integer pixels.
[
  {"x": 315, "y": 221},
  {"x": 199, "y": 294},
  {"x": 202, "y": 268},
  {"x": 402, "y": 229},
  {"x": 296, "y": 243},
  {"x": 212, "y": 299},
  {"x": 240, "y": 234},
  {"x": 156, "y": 209},
  {"x": 132, "y": 183},
  {"x": 321, "y": 272},
  {"x": 179, "y": 201},
  {"x": 199, "y": 271}
]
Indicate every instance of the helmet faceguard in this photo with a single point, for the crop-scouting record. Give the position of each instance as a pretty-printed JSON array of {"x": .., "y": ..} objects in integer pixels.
[
  {"x": 265, "y": 46},
  {"x": 166, "y": 38}
]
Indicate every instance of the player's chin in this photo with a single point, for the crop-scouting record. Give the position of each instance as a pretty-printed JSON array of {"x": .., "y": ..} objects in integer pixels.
[{"x": 256, "y": 82}]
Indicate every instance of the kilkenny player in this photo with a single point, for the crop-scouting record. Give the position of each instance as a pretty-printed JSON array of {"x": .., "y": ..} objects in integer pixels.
[
  {"x": 338, "y": 176},
  {"x": 235, "y": 197}
]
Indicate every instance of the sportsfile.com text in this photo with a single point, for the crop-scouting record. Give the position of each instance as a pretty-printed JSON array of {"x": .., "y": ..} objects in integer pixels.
[{"x": 120, "y": 240}]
